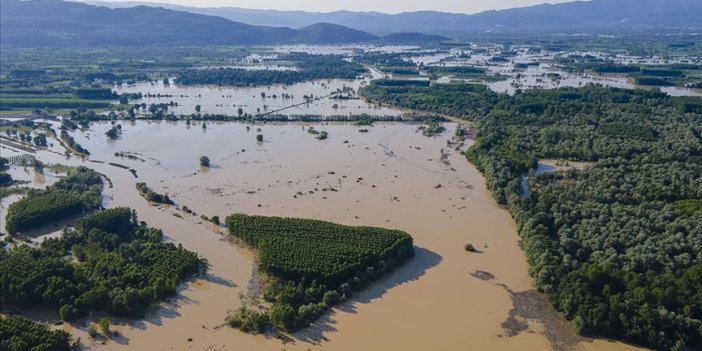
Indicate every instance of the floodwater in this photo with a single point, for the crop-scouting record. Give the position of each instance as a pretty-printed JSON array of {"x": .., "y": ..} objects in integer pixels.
[
  {"x": 543, "y": 70},
  {"x": 445, "y": 298},
  {"x": 343, "y": 49},
  {"x": 312, "y": 98},
  {"x": 227, "y": 100},
  {"x": 548, "y": 165},
  {"x": 28, "y": 177}
]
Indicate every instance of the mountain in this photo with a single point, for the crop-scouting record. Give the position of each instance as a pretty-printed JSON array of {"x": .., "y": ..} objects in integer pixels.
[
  {"x": 323, "y": 33},
  {"x": 51, "y": 22},
  {"x": 410, "y": 38},
  {"x": 596, "y": 16},
  {"x": 40, "y": 23}
]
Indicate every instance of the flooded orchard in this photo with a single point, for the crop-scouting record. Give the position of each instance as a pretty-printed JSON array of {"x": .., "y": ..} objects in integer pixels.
[{"x": 390, "y": 176}]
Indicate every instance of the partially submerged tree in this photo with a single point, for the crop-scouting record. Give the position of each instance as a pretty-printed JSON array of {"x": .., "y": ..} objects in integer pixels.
[{"x": 204, "y": 161}]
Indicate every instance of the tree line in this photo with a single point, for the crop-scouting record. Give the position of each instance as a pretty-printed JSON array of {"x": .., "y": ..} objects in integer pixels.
[{"x": 307, "y": 68}]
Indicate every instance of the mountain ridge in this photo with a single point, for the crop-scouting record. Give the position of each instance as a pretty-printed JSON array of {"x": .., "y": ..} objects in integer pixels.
[
  {"x": 606, "y": 16},
  {"x": 51, "y": 23}
]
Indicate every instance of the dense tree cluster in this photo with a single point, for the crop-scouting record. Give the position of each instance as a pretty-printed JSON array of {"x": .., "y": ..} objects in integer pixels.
[
  {"x": 96, "y": 94},
  {"x": 80, "y": 191},
  {"x": 113, "y": 133},
  {"x": 153, "y": 196},
  {"x": 314, "y": 264},
  {"x": 464, "y": 101},
  {"x": 21, "y": 334},
  {"x": 455, "y": 70},
  {"x": 307, "y": 67},
  {"x": 655, "y": 81},
  {"x": 616, "y": 246},
  {"x": 401, "y": 83},
  {"x": 109, "y": 262},
  {"x": 386, "y": 59},
  {"x": 71, "y": 143},
  {"x": 680, "y": 74},
  {"x": 5, "y": 178}
]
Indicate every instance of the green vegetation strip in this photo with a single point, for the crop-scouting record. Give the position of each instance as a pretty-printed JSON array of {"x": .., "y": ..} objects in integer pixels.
[
  {"x": 314, "y": 264},
  {"x": 152, "y": 196},
  {"x": 308, "y": 67}
]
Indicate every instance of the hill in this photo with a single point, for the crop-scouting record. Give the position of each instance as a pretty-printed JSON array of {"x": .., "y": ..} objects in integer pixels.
[
  {"x": 323, "y": 33},
  {"x": 47, "y": 23},
  {"x": 601, "y": 16}
]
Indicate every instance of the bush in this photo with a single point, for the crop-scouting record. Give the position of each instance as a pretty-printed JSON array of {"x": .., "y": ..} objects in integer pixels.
[
  {"x": 249, "y": 321},
  {"x": 105, "y": 327},
  {"x": 283, "y": 316},
  {"x": 5, "y": 179},
  {"x": 92, "y": 331}
]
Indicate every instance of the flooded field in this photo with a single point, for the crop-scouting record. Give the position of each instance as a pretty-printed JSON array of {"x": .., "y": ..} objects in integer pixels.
[
  {"x": 343, "y": 49},
  {"x": 524, "y": 69},
  {"x": 308, "y": 98},
  {"x": 391, "y": 176}
]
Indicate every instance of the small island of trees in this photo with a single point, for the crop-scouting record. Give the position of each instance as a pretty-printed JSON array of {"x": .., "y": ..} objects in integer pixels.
[
  {"x": 153, "y": 196},
  {"x": 80, "y": 191},
  {"x": 312, "y": 265}
]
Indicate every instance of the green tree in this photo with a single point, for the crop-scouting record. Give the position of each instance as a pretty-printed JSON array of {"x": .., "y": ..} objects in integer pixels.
[
  {"x": 283, "y": 316},
  {"x": 105, "y": 327},
  {"x": 5, "y": 179}
]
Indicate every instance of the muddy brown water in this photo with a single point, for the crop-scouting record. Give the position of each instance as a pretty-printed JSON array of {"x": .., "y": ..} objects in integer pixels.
[
  {"x": 227, "y": 100},
  {"x": 387, "y": 177}
]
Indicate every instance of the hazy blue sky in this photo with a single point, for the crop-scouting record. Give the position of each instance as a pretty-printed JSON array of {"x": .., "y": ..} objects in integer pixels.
[{"x": 392, "y": 6}]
